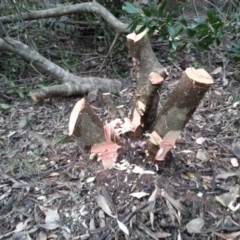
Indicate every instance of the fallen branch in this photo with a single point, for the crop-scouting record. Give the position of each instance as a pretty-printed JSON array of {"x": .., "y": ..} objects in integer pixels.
[
  {"x": 92, "y": 7},
  {"x": 72, "y": 84}
]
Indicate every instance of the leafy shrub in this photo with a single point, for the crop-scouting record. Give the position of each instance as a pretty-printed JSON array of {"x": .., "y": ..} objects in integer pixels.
[{"x": 202, "y": 33}]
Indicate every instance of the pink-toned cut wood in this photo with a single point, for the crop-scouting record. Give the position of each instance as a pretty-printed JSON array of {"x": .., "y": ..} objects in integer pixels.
[
  {"x": 149, "y": 75},
  {"x": 182, "y": 102},
  {"x": 85, "y": 125}
]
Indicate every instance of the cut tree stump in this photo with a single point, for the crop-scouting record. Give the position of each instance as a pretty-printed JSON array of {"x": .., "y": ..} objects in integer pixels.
[
  {"x": 181, "y": 103},
  {"x": 85, "y": 125},
  {"x": 149, "y": 76}
]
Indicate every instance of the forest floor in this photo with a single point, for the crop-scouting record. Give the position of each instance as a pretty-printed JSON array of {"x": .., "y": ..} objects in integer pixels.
[{"x": 49, "y": 189}]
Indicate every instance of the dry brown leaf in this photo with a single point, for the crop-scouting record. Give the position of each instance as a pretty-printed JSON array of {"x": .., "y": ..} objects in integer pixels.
[
  {"x": 41, "y": 236},
  {"x": 52, "y": 215},
  {"x": 92, "y": 225},
  {"x": 175, "y": 203},
  {"x": 136, "y": 121},
  {"x": 216, "y": 71},
  {"x": 200, "y": 140},
  {"x": 101, "y": 216},
  {"x": 123, "y": 227},
  {"x": 49, "y": 226},
  {"x": 102, "y": 203},
  {"x": 229, "y": 199},
  {"x": 67, "y": 233},
  {"x": 195, "y": 225},
  {"x": 227, "y": 235},
  {"x": 201, "y": 155},
  {"x": 139, "y": 170},
  {"x": 162, "y": 234},
  {"x": 173, "y": 213},
  {"x": 22, "y": 225},
  {"x": 226, "y": 175},
  {"x": 139, "y": 194}
]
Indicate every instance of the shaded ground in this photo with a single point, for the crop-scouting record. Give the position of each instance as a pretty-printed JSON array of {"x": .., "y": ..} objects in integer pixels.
[{"x": 43, "y": 170}]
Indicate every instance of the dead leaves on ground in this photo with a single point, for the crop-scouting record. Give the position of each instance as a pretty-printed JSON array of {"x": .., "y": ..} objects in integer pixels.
[{"x": 105, "y": 202}]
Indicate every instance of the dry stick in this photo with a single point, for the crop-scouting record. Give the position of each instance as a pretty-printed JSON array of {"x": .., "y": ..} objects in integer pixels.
[{"x": 110, "y": 49}]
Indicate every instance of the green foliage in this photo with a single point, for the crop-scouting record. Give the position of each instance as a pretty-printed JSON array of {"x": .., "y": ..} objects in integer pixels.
[
  {"x": 202, "y": 33},
  {"x": 235, "y": 51}
]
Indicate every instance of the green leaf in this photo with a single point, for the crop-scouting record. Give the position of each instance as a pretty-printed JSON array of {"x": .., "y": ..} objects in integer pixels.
[
  {"x": 133, "y": 25},
  {"x": 212, "y": 16},
  {"x": 171, "y": 31},
  {"x": 153, "y": 8},
  {"x": 4, "y": 106},
  {"x": 190, "y": 32},
  {"x": 173, "y": 46},
  {"x": 217, "y": 25},
  {"x": 147, "y": 12},
  {"x": 182, "y": 47},
  {"x": 203, "y": 33},
  {"x": 218, "y": 41},
  {"x": 183, "y": 21},
  {"x": 200, "y": 21},
  {"x": 131, "y": 9},
  {"x": 178, "y": 29},
  {"x": 169, "y": 19},
  {"x": 142, "y": 29},
  {"x": 161, "y": 8},
  {"x": 20, "y": 94},
  {"x": 151, "y": 31}
]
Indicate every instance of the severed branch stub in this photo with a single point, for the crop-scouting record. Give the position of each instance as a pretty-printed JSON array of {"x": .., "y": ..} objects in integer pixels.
[
  {"x": 149, "y": 76},
  {"x": 85, "y": 125},
  {"x": 181, "y": 105},
  {"x": 91, "y": 135}
]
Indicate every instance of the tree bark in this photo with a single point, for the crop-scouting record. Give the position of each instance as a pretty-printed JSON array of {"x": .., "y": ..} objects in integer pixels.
[
  {"x": 85, "y": 125},
  {"x": 92, "y": 7},
  {"x": 183, "y": 101},
  {"x": 181, "y": 105},
  {"x": 146, "y": 65},
  {"x": 72, "y": 84}
]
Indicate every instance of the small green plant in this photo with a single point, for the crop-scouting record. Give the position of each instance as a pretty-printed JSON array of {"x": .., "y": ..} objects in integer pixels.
[{"x": 202, "y": 33}]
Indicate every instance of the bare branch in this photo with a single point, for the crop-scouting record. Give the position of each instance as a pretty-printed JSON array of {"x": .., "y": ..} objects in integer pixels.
[
  {"x": 92, "y": 7},
  {"x": 73, "y": 85}
]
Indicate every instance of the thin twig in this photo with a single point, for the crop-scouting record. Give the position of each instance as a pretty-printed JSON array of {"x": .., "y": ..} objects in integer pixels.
[{"x": 110, "y": 50}]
